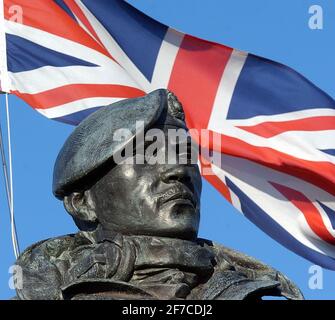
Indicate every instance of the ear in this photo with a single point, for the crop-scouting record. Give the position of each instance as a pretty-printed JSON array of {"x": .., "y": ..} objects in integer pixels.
[{"x": 81, "y": 207}]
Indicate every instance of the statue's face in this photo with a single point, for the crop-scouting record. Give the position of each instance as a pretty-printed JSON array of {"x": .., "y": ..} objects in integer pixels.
[{"x": 150, "y": 199}]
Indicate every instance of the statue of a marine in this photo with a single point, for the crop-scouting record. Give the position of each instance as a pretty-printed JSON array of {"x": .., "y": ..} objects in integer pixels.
[{"x": 138, "y": 220}]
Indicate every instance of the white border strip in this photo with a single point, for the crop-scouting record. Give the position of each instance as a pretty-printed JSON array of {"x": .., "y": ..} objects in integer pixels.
[{"x": 4, "y": 77}]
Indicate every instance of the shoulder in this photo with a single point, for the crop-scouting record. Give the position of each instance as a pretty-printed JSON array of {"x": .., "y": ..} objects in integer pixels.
[
  {"x": 253, "y": 273},
  {"x": 46, "y": 249},
  {"x": 40, "y": 266}
]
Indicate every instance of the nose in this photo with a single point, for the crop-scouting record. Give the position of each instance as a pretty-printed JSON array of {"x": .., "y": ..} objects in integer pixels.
[{"x": 176, "y": 173}]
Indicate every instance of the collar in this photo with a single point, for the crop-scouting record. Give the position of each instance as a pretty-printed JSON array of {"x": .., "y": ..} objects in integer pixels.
[{"x": 161, "y": 252}]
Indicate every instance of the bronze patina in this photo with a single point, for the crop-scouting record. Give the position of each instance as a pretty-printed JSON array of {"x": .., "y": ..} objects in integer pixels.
[{"x": 138, "y": 222}]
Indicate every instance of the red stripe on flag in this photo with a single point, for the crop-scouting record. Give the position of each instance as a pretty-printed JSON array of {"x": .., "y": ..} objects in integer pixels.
[
  {"x": 271, "y": 129},
  {"x": 308, "y": 209},
  {"x": 47, "y": 16},
  {"x": 196, "y": 76},
  {"x": 318, "y": 173},
  {"x": 74, "y": 92},
  {"x": 81, "y": 16}
]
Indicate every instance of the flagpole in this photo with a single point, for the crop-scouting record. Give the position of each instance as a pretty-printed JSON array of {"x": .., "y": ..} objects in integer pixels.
[
  {"x": 5, "y": 87},
  {"x": 12, "y": 218},
  {"x": 9, "y": 181},
  {"x": 4, "y": 166}
]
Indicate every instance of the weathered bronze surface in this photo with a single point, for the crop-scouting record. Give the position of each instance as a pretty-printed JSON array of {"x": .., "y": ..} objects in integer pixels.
[{"x": 138, "y": 223}]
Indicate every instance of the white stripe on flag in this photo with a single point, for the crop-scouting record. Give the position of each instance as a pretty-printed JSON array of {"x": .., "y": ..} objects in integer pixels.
[
  {"x": 317, "y": 140},
  {"x": 253, "y": 180},
  {"x": 84, "y": 27},
  {"x": 319, "y": 111},
  {"x": 59, "y": 44},
  {"x": 226, "y": 90},
  {"x": 166, "y": 59},
  {"x": 115, "y": 50},
  {"x": 297, "y": 148},
  {"x": 325, "y": 218},
  {"x": 235, "y": 201},
  {"x": 76, "y": 106},
  {"x": 48, "y": 78}
]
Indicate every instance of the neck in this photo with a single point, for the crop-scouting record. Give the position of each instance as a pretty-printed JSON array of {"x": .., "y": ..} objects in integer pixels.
[{"x": 100, "y": 234}]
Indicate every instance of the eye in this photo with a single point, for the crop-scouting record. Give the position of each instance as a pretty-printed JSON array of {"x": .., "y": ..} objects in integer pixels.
[
  {"x": 187, "y": 151},
  {"x": 153, "y": 151}
]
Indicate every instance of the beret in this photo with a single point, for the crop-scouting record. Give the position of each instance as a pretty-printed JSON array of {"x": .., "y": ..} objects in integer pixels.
[{"x": 92, "y": 142}]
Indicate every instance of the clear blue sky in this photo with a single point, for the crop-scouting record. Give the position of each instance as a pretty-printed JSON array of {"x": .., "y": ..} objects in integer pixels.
[{"x": 276, "y": 29}]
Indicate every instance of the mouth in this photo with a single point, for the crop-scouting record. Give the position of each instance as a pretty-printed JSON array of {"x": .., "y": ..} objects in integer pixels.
[{"x": 178, "y": 195}]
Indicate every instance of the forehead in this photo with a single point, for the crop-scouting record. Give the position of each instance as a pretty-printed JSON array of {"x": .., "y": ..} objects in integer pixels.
[{"x": 168, "y": 134}]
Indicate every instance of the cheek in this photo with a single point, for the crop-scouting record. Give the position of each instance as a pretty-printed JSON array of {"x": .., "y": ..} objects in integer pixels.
[
  {"x": 129, "y": 173},
  {"x": 124, "y": 183},
  {"x": 145, "y": 191}
]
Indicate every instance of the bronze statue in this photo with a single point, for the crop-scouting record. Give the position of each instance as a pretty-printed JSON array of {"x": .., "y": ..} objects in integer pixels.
[{"x": 138, "y": 222}]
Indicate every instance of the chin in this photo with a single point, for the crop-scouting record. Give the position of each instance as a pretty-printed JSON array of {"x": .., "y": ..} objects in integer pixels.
[
  {"x": 181, "y": 231},
  {"x": 177, "y": 221},
  {"x": 181, "y": 211}
]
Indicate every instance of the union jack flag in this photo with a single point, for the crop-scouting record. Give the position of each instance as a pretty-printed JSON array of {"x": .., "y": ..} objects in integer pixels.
[{"x": 66, "y": 58}]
